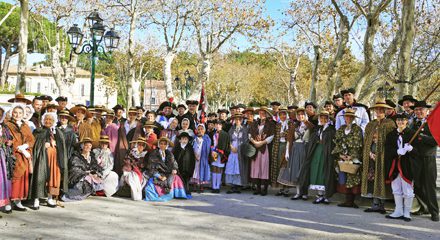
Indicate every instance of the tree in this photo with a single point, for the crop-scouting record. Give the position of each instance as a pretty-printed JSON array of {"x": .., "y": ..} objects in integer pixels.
[
  {"x": 215, "y": 22},
  {"x": 9, "y": 35},
  {"x": 22, "y": 46}
]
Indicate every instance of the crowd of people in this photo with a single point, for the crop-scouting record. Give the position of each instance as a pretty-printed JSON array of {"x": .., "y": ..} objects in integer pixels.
[{"x": 51, "y": 153}]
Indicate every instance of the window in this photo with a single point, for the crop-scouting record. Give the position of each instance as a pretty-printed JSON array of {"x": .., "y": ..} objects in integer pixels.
[
  {"x": 28, "y": 86},
  {"x": 82, "y": 90},
  {"x": 39, "y": 87},
  {"x": 153, "y": 100},
  {"x": 153, "y": 96}
]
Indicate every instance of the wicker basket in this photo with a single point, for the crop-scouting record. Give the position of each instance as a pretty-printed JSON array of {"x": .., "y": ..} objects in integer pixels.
[{"x": 348, "y": 167}]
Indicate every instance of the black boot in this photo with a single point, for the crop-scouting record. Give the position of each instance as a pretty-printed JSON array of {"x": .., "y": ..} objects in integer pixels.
[
  {"x": 258, "y": 190},
  {"x": 264, "y": 192}
]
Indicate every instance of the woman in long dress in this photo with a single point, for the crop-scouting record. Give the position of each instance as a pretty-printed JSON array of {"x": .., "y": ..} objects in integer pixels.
[
  {"x": 7, "y": 162},
  {"x": 49, "y": 162},
  {"x": 22, "y": 144},
  {"x": 104, "y": 156}
]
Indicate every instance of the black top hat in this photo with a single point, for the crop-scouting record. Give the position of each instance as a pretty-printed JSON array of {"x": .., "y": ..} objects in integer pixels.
[
  {"x": 140, "y": 108},
  {"x": 167, "y": 104},
  {"x": 310, "y": 104},
  {"x": 275, "y": 103},
  {"x": 406, "y": 98},
  {"x": 61, "y": 99},
  {"x": 117, "y": 107},
  {"x": 184, "y": 134},
  {"x": 402, "y": 115},
  {"x": 390, "y": 103},
  {"x": 46, "y": 97},
  {"x": 328, "y": 102},
  {"x": 348, "y": 90},
  {"x": 181, "y": 106},
  {"x": 192, "y": 102},
  {"x": 222, "y": 111},
  {"x": 233, "y": 107},
  {"x": 292, "y": 107},
  {"x": 212, "y": 114},
  {"x": 337, "y": 96},
  {"x": 421, "y": 104}
]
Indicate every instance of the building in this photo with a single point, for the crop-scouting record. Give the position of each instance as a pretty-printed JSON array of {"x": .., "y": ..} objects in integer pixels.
[
  {"x": 39, "y": 80},
  {"x": 154, "y": 94}
]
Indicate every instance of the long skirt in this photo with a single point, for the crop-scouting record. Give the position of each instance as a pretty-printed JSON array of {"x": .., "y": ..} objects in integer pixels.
[
  {"x": 55, "y": 173},
  {"x": 5, "y": 183},
  {"x": 260, "y": 166},
  {"x": 20, "y": 178},
  {"x": 276, "y": 163},
  {"x": 155, "y": 193},
  {"x": 232, "y": 171},
  {"x": 110, "y": 183},
  {"x": 317, "y": 177},
  {"x": 289, "y": 176},
  {"x": 202, "y": 172}
]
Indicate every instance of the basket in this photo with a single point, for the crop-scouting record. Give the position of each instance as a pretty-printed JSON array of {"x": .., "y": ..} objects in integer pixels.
[{"x": 348, "y": 167}]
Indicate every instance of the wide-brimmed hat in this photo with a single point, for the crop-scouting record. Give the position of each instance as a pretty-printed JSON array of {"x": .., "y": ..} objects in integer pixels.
[
  {"x": 233, "y": 107},
  {"x": 309, "y": 103},
  {"x": 117, "y": 107},
  {"x": 283, "y": 109},
  {"x": 61, "y": 99},
  {"x": 150, "y": 124},
  {"x": 349, "y": 112},
  {"x": 300, "y": 109},
  {"x": 249, "y": 109},
  {"x": 184, "y": 134},
  {"x": 86, "y": 140},
  {"x": 237, "y": 115},
  {"x": 66, "y": 113},
  {"x": 140, "y": 140},
  {"x": 292, "y": 108},
  {"x": 109, "y": 113},
  {"x": 348, "y": 90},
  {"x": 20, "y": 98},
  {"x": 407, "y": 98},
  {"x": 161, "y": 139},
  {"x": 77, "y": 107},
  {"x": 104, "y": 139},
  {"x": 421, "y": 104},
  {"x": 381, "y": 104},
  {"x": 192, "y": 102},
  {"x": 265, "y": 109},
  {"x": 275, "y": 103},
  {"x": 222, "y": 111},
  {"x": 132, "y": 110}
]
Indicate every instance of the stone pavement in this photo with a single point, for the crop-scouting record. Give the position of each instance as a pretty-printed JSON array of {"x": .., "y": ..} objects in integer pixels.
[{"x": 210, "y": 216}]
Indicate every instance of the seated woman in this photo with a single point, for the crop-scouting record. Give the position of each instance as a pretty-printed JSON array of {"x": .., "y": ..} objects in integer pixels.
[
  {"x": 132, "y": 180},
  {"x": 84, "y": 173},
  {"x": 105, "y": 160},
  {"x": 161, "y": 171}
]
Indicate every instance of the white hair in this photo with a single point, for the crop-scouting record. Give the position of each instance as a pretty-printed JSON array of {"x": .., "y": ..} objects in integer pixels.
[{"x": 53, "y": 115}]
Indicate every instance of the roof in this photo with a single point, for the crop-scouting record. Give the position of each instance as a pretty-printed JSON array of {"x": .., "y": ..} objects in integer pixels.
[
  {"x": 41, "y": 70},
  {"x": 155, "y": 84}
]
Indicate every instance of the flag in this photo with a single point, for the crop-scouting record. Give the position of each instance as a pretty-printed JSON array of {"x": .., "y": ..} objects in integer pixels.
[
  {"x": 202, "y": 105},
  {"x": 434, "y": 123}
]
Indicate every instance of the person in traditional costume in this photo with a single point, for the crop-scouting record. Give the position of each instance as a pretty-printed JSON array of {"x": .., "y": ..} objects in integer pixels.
[
  {"x": 318, "y": 170},
  {"x": 50, "y": 167},
  {"x": 7, "y": 163},
  {"x": 362, "y": 113},
  {"x": 373, "y": 172},
  {"x": 262, "y": 133},
  {"x": 82, "y": 127},
  {"x": 181, "y": 110},
  {"x": 248, "y": 117},
  {"x": 191, "y": 114},
  {"x": 292, "y": 114},
  {"x": 62, "y": 103},
  {"x": 275, "y": 108},
  {"x": 122, "y": 144},
  {"x": 119, "y": 114},
  {"x": 96, "y": 124},
  {"x": 425, "y": 170},
  {"x": 185, "y": 158},
  {"x": 338, "y": 101},
  {"x": 400, "y": 158},
  {"x": 222, "y": 114},
  {"x": 151, "y": 117},
  {"x": 330, "y": 108},
  {"x": 29, "y": 111},
  {"x": 220, "y": 150},
  {"x": 406, "y": 103},
  {"x": 212, "y": 116},
  {"x": 163, "y": 183},
  {"x": 283, "y": 136},
  {"x": 171, "y": 131},
  {"x": 210, "y": 128},
  {"x": 22, "y": 145},
  {"x": 111, "y": 130},
  {"x": 185, "y": 127},
  {"x": 311, "y": 112},
  {"x": 84, "y": 173},
  {"x": 202, "y": 151},
  {"x": 132, "y": 126},
  {"x": 167, "y": 113},
  {"x": 70, "y": 138},
  {"x": 140, "y": 114},
  {"x": 132, "y": 181},
  {"x": 391, "y": 112},
  {"x": 104, "y": 156},
  {"x": 46, "y": 100},
  {"x": 296, "y": 154},
  {"x": 348, "y": 149},
  {"x": 237, "y": 166}
]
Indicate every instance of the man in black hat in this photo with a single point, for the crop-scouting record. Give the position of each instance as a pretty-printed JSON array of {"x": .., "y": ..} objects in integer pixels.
[
  {"x": 181, "y": 110},
  {"x": 212, "y": 116},
  {"x": 62, "y": 103},
  {"x": 407, "y": 102},
  {"x": 166, "y": 112},
  {"x": 390, "y": 112},
  {"x": 140, "y": 114},
  {"x": 37, "y": 105},
  {"x": 361, "y": 111},
  {"x": 425, "y": 174},
  {"x": 192, "y": 114},
  {"x": 330, "y": 108},
  {"x": 240, "y": 107},
  {"x": 119, "y": 111},
  {"x": 310, "y": 111},
  {"x": 275, "y": 108}
]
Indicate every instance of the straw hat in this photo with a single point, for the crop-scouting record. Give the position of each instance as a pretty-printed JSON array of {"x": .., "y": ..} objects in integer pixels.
[
  {"x": 264, "y": 109},
  {"x": 66, "y": 113},
  {"x": 86, "y": 140},
  {"x": 104, "y": 139},
  {"x": 77, "y": 107},
  {"x": 300, "y": 109},
  {"x": 20, "y": 98},
  {"x": 380, "y": 104},
  {"x": 171, "y": 144},
  {"x": 150, "y": 124},
  {"x": 140, "y": 140},
  {"x": 237, "y": 115},
  {"x": 349, "y": 112},
  {"x": 132, "y": 110},
  {"x": 283, "y": 109},
  {"x": 249, "y": 109}
]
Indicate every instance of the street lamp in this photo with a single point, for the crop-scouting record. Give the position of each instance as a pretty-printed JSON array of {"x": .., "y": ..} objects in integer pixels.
[
  {"x": 94, "y": 45},
  {"x": 386, "y": 90},
  {"x": 187, "y": 84}
]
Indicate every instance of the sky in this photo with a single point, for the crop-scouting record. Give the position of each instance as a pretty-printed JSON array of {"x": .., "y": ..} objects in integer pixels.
[{"x": 273, "y": 9}]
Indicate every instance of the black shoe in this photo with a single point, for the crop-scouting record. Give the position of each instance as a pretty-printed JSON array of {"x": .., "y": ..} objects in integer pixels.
[
  {"x": 304, "y": 197},
  {"x": 8, "y": 212},
  {"x": 257, "y": 193},
  {"x": 296, "y": 197},
  {"x": 217, "y": 191},
  {"x": 52, "y": 206},
  {"x": 263, "y": 193},
  {"x": 318, "y": 200},
  {"x": 434, "y": 218},
  {"x": 391, "y": 217},
  {"x": 237, "y": 191},
  {"x": 15, "y": 208},
  {"x": 406, "y": 219},
  {"x": 35, "y": 208},
  {"x": 379, "y": 210},
  {"x": 230, "y": 192},
  {"x": 280, "y": 193},
  {"x": 326, "y": 201}
]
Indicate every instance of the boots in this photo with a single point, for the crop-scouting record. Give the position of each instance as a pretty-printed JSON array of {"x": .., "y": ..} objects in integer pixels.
[
  {"x": 258, "y": 190},
  {"x": 349, "y": 201},
  {"x": 264, "y": 192},
  {"x": 398, "y": 211},
  {"x": 407, "y": 205}
]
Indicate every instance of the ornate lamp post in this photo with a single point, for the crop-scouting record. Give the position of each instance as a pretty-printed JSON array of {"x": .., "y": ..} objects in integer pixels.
[
  {"x": 94, "y": 45},
  {"x": 184, "y": 85},
  {"x": 386, "y": 90}
]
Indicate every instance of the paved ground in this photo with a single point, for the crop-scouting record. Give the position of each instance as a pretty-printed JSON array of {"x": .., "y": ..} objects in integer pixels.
[{"x": 209, "y": 216}]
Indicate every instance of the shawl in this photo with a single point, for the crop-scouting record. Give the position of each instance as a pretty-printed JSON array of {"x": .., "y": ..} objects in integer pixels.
[{"x": 185, "y": 159}]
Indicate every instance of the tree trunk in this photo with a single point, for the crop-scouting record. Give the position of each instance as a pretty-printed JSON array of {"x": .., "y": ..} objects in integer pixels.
[
  {"x": 368, "y": 68},
  {"x": 57, "y": 70},
  {"x": 315, "y": 71},
  {"x": 293, "y": 87},
  {"x": 5, "y": 67},
  {"x": 334, "y": 81},
  {"x": 203, "y": 77},
  {"x": 131, "y": 67},
  {"x": 167, "y": 75},
  {"x": 22, "y": 47},
  {"x": 408, "y": 27}
]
